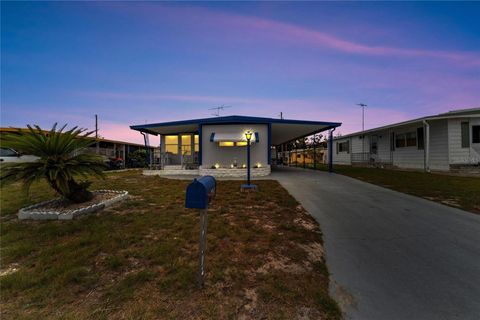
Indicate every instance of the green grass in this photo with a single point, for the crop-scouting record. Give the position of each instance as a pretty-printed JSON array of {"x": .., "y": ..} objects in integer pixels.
[
  {"x": 457, "y": 191},
  {"x": 139, "y": 258}
]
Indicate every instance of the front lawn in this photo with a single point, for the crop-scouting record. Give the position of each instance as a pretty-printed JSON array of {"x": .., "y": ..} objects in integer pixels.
[
  {"x": 456, "y": 191},
  {"x": 139, "y": 259}
]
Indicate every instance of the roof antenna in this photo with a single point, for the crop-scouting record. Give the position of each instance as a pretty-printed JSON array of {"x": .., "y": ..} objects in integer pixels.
[{"x": 218, "y": 109}]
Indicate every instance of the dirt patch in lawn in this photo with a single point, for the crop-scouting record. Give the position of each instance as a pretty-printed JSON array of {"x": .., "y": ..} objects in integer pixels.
[{"x": 139, "y": 259}]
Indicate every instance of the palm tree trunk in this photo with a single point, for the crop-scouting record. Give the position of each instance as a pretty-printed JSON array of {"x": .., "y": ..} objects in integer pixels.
[{"x": 78, "y": 193}]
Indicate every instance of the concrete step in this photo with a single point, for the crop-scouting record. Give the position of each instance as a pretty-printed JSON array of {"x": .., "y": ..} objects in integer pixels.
[{"x": 173, "y": 167}]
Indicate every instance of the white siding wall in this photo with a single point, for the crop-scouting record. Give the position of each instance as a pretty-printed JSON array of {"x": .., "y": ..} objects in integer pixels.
[
  {"x": 459, "y": 155},
  {"x": 212, "y": 153},
  {"x": 408, "y": 157},
  {"x": 341, "y": 157},
  {"x": 439, "y": 145},
  {"x": 383, "y": 154},
  {"x": 356, "y": 143}
]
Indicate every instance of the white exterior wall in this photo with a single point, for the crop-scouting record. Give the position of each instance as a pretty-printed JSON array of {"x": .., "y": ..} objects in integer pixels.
[
  {"x": 341, "y": 157},
  {"x": 212, "y": 153},
  {"x": 356, "y": 144},
  {"x": 457, "y": 154},
  {"x": 445, "y": 145},
  {"x": 383, "y": 147},
  {"x": 439, "y": 145},
  {"x": 408, "y": 157}
]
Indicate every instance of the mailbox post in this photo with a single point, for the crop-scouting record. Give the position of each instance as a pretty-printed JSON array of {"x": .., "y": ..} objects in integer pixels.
[{"x": 199, "y": 194}]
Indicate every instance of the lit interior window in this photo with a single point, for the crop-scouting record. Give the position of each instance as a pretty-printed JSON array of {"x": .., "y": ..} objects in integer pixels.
[
  {"x": 186, "y": 140},
  {"x": 226, "y": 144},
  {"x": 196, "y": 142},
  {"x": 241, "y": 144},
  {"x": 171, "y": 144},
  {"x": 186, "y": 144}
]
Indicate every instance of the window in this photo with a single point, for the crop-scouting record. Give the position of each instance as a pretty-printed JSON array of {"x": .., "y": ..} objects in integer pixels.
[
  {"x": 465, "y": 134},
  {"x": 408, "y": 139},
  {"x": 299, "y": 155},
  {"x": 226, "y": 143},
  {"x": 411, "y": 139},
  {"x": 195, "y": 140},
  {"x": 475, "y": 134},
  {"x": 374, "y": 144},
  {"x": 171, "y": 144},
  {"x": 400, "y": 140},
  {"x": 421, "y": 142},
  {"x": 186, "y": 144},
  {"x": 241, "y": 144},
  {"x": 344, "y": 147},
  {"x": 6, "y": 152}
]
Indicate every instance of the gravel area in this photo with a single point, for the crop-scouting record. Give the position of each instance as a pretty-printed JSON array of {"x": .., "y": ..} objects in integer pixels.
[{"x": 65, "y": 210}]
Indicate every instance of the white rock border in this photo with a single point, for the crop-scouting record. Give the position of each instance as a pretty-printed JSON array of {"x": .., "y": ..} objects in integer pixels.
[{"x": 32, "y": 212}]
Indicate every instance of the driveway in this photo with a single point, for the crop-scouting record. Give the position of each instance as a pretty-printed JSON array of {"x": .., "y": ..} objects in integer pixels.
[{"x": 391, "y": 255}]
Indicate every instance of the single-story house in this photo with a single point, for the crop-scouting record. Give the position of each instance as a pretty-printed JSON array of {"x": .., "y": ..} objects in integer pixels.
[
  {"x": 108, "y": 148},
  {"x": 218, "y": 146},
  {"x": 440, "y": 142}
]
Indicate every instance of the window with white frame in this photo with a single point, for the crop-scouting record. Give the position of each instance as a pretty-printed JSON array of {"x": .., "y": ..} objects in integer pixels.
[
  {"x": 343, "y": 146},
  {"x": 408, "y": 139}
]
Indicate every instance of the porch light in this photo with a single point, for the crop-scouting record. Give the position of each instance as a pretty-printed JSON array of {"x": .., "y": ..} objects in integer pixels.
[
  {"x": 259, "y": 165},
  {"x": 244, "y": 166},
  {"x": 248, "y": 186},
  {"x": 217, "y": 165}
]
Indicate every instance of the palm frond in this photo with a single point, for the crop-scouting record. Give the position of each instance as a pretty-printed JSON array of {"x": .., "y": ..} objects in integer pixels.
[{"x": 61, "y": 154}]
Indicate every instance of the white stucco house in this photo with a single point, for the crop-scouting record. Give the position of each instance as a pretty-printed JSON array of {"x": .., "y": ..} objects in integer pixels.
[
  {"x": 440, "y": 142},
  {"x": 217, "y": 146}
]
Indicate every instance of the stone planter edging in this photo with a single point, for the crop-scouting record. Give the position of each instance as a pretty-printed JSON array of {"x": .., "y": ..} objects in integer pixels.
[{"x": 30, "y": 212}]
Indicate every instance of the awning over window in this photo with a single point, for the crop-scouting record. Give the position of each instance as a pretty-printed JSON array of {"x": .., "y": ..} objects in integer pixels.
[{"x": 235, "y": 137}]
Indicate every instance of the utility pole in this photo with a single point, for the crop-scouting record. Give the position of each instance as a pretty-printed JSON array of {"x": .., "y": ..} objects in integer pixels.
[
  {"x": 281, "y": 115},
  {"x": 96, "y": 134},
  {"x": 363, "y": 105}
]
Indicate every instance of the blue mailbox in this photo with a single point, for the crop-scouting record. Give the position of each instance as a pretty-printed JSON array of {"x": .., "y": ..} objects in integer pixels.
[{"x": 199, "y": 192}]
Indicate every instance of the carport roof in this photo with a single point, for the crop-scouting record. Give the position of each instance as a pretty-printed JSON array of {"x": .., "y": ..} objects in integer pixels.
[{"x": 283, "y": 130}]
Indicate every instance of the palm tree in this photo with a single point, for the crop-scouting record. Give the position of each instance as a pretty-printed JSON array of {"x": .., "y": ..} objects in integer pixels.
[{"x": 60, "y": 160}]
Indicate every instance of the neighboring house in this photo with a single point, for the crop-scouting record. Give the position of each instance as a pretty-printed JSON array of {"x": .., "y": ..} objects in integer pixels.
[
  {"x": 303, "y": 157},
  {"x": 112, "y": 149},
  {"x": 217, "y": 146},
  {"x": 441, "y": 142}
]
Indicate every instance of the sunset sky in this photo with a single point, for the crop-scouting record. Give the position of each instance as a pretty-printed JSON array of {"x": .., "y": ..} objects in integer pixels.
[{"x": 132, "y": 63}]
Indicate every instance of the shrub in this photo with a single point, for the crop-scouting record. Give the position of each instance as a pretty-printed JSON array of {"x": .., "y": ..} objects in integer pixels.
[{"x": 60, "y": 160}]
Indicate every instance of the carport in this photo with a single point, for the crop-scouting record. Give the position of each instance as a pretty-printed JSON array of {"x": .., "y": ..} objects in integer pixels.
[{"x": 218, "y": 143}]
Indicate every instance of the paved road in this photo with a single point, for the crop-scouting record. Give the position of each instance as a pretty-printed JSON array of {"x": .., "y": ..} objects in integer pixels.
[{"x": 391, "y": 255}]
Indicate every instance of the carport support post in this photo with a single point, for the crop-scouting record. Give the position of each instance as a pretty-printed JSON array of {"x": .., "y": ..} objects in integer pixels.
[
  {"x": 330, "y": 151},
  {"x": 203, "y": 247}
]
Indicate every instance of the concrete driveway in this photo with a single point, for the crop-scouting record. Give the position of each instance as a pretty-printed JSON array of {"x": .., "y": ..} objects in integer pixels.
[{"x": 391, "y": 255}]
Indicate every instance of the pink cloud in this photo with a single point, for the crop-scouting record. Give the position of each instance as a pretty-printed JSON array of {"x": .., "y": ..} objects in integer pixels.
[
  {"x": 122, "y": 132},
  {"x": 318, "y": 109},
  {"x": 257, "y": 28}
]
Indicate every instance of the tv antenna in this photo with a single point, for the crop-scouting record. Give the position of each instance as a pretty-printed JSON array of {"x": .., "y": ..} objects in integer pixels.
[{"x": 218, "y": 109}]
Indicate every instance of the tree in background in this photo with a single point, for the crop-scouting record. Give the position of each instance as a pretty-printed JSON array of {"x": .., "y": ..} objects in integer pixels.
[{"x": 138, "y": 158}]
